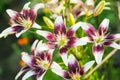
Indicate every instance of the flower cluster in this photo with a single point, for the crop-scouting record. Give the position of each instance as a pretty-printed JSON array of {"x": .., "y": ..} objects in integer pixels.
[{"x": 63, "y": 38}]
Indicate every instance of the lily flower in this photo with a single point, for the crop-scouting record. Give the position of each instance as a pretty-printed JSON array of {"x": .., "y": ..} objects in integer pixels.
[
  {"x": 88, "y": 8},
  {"x": 37, "y": 63},
  {"x": 21, "y": 22},
  {"x": 75, "y": 71},
  {"x": 100, "y": 38},
  {"x": 62, "y": 39},
  {"x": 55, "y": 6}
]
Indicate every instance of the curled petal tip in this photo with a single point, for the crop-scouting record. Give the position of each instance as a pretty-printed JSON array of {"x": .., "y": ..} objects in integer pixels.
[{"x": 26, "y": 6}]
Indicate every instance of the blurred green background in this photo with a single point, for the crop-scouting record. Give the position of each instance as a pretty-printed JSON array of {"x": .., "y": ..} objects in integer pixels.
[{"x": 10, "y": 50}]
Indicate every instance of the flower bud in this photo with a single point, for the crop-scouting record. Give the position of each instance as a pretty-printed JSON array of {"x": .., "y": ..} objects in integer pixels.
[
  {"x": 48, "y": 22},
  {"x": 71, "y": 19},
  {"x": 99, "y": 8}
]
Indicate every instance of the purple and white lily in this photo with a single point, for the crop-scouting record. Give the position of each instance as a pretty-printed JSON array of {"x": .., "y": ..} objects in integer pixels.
[
  {"x": 61, "y": 38},
  {"x": 100, "y": 38},
  {"x": 37, "y": 63},
  {"x": 75, "y": 71},
  {"x": 21, "y": 22}
]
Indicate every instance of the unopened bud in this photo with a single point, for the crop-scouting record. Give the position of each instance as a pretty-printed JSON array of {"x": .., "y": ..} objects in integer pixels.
[
  {"x": 99, "y": 8},
  {"x": 71, "y": 19},
  {"x": 48, "y": 22}
]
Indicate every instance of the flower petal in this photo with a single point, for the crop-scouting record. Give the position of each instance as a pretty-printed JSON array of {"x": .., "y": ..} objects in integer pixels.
[
  {"x": 116, "y": 36},
  {"x": 115, "y": 45},
  {"x": 24, "y": 69},
  {"x": 75, "y": 42},
  {"x": 63, "y": 54},
  {"x": 107, "y": 43},
  {"x": 98, "y": 51},
  {"x": 26, "y": 6},
  {"x": 80, "y": 42},
  {"x": 38, "y": 6},
  {"x": 34, "y": 46},
  {"x": 58, "y": 70},
  {"x": 90, "y": 3},
  {"x": 27, "y": 58},
  {"x": 89, "y": 29},
  {"x": 17, "y": 28},
  {"x": 20, "y": 33},
  {"x": 40, "y": 47},
  {"x": 72, "y": 30},
  {"x": 73, "y": 64},
  {"x": 12, "y": 13},
  {"x": 46, "y": 34},
  {"x": 103, "y": 26},
  {"x": 28, "y": 74},
  {"x": 59, "y": 26},
  {"x": 7, "y": 32},
  {"x": 88, "y": 65},
  {"x": 110, "y": 37},
  {"x": 41, "y": 75},
  {"x": 35, "y": 25},
  {"x": 49, "y": 54}
]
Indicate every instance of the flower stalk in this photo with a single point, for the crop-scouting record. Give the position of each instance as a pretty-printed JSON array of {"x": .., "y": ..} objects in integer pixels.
[{"x": 98, "y": 65}]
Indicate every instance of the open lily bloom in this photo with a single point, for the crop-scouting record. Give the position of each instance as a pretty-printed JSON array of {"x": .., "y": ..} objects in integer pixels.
[
  {"x": 37, "y": 63},
  {"x": 88, "y": 8},
  {"x": 100, "y": 38},
  {"x": 21, "y": 22},
  {"x": 75, "y": 71},
  {"x": 61, "y": 38},
  {"x": 82, "y": 8},
  {"x": 55, "y": 6}
]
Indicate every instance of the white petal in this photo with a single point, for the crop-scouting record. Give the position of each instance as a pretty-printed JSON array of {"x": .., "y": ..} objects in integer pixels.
[
  {"x": 35, "y": 25},
  {"x": 71, "y": 59},
  {"x": 45, "y": 34},
  {"x": 104, "y": 24},
  {"x": 88, "y": 65},
  {"x": 76, "y": 26},
  {"x": 57, "y": 69},
  {"x": 40, "y": 47},
  {"x": 86, "y": 39},
  {"x": 64, "y": 58},
  {"x": 26, "y": 58},
  {"x": 54, "y": 65},
  {"x": 11, "y": 13},
  {"x": 59, "y": 20},
  {"x": 20, "y": 33},
  {"x": 34, "y": 45},
  {"x": 21, "y": 72},
  {"x": 26, "y": 6},
  {"x": 115, "y": 45},
  {"x": 98, "y": 51},
  {"x": 41, "y": 77},
  {"x": 117, "y": 36},
  {"x": 18, "y": 75},
  {"x": 38, "y": 6},
  {"x": 74, "y": 1},
  {"x": 90, "y": 3},
  {"x": 6, "y": 32},
  {"x": 28, "y": 74},
  {"x": 80, "y": 42}
]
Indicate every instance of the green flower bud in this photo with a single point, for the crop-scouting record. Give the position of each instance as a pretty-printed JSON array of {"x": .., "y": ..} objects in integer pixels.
[
  {"x": 99, "y": 8},
  {"x": 48, "y": 22},
  {"x": 71, "y": 19}
]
